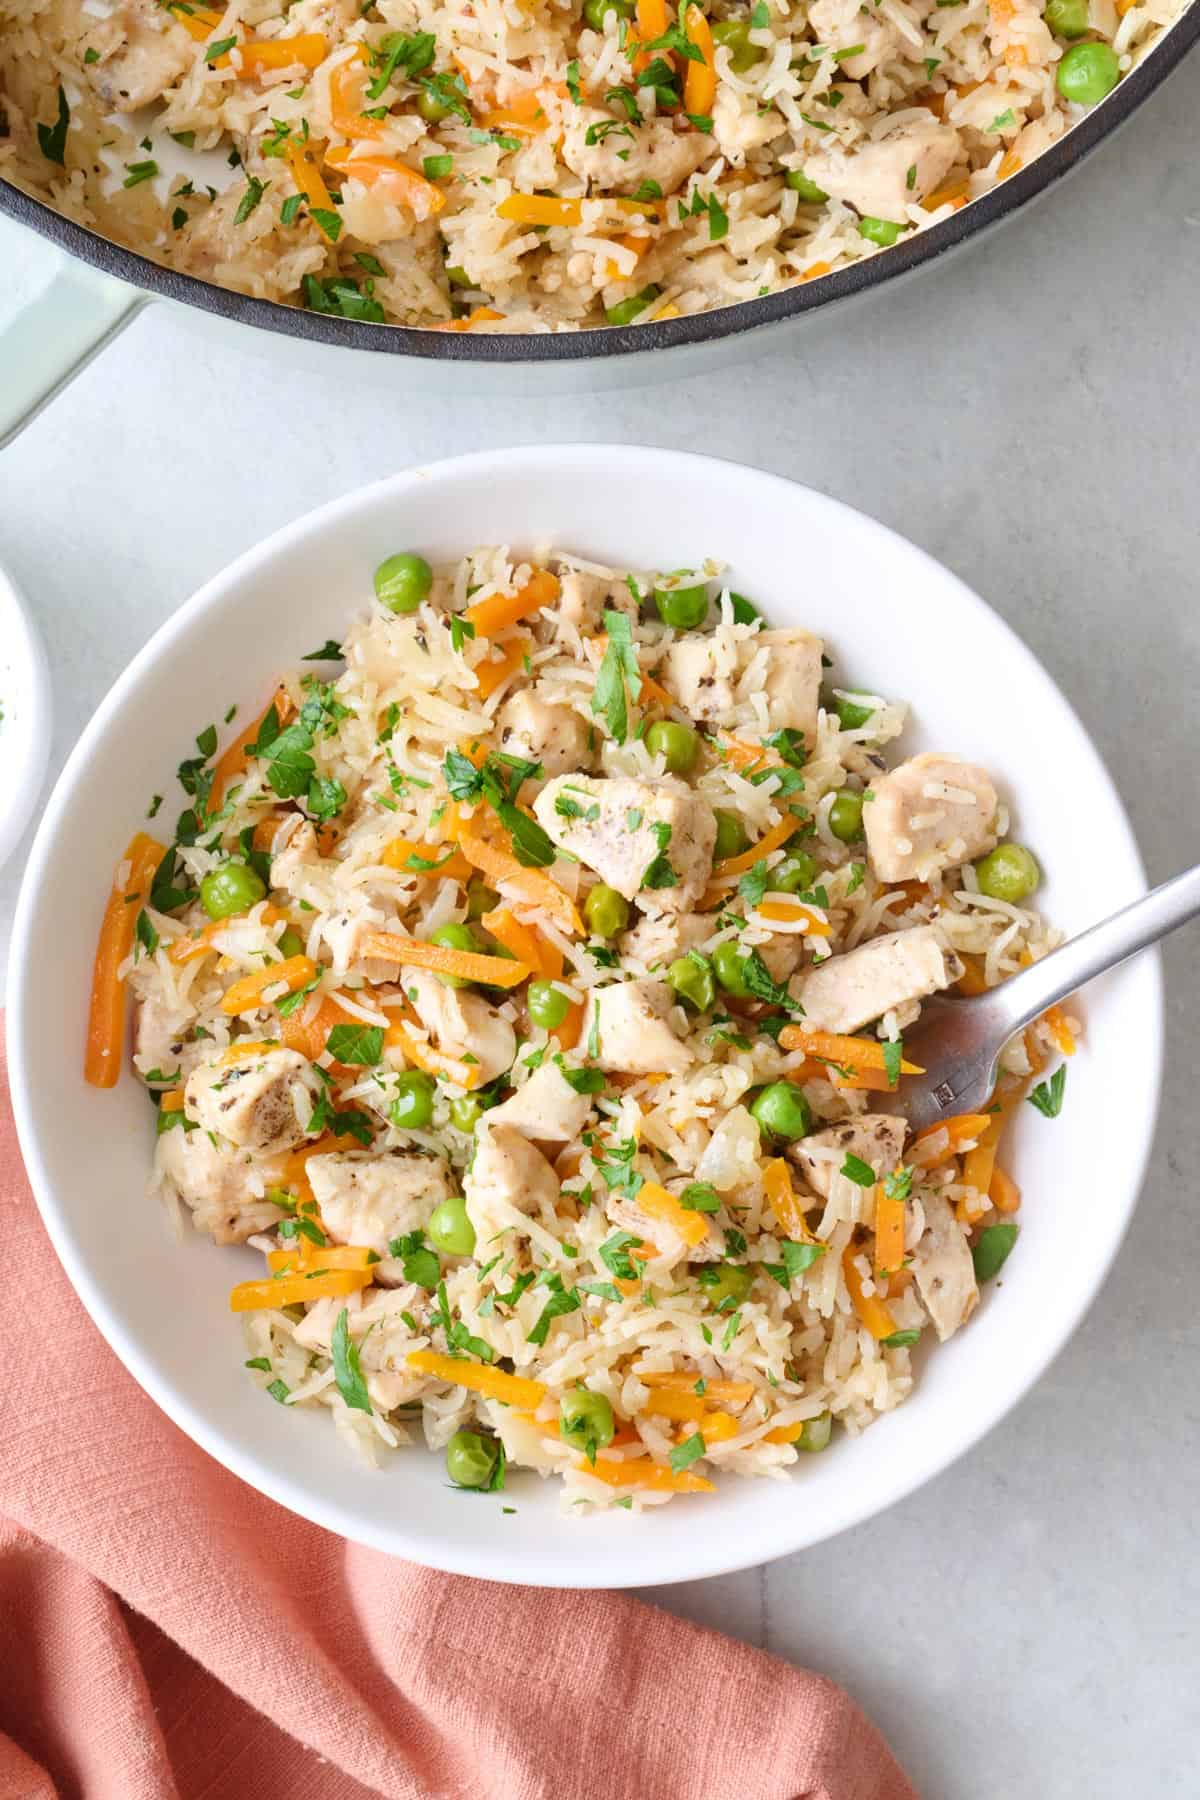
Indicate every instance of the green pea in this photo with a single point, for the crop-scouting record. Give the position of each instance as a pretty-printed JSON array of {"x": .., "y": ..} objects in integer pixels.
[
  {"x": 458, "y": 277},
  {"x": 466, "y": 1112},
  {"x": 449, "y": 1229},
  {"x": 626, "y": 311},
  {"x": 793, "y": 873},
  {"x": 412, "y": 1108},
  {"x": 403, "y": 581},
  {"x": 596, "y": 11},
  {"x": 1066, "y": 18},
  {"x": 290, "y": 943},
  {"x": 682, "y": 608},
  {"x": 880, "y": 231},
  {"x": 1087, "y": 73},
  {"x": 729, "y": 966},
  {"x": 735, "y": 35},
  {"x": 431, "y": 109},
  {"x": 480, "y": 898},
  {"x": 726, "y": 1285},
  {"x": 691, "y": 978},
  {"x": 850, "y": 714},
  {"x": 548, "y": 1006},
  {"x": 606, "y": 911},
  {"x": 455, "y": 937},
  {"x": 817, "y": 1433},
  {"x": 585, "y": 1421},
  {"x": 808, "y": 190},
  {"x": 231, "y": 889},
  {"x": 732, "y": 836},
  {"x": 678, "y": 745},
  {"x": 470, "y": 1459},
  {"x": 1009, "y": 872},
  {"x": 845, "y": 816},
  {"x": 782, "y": 1111}
]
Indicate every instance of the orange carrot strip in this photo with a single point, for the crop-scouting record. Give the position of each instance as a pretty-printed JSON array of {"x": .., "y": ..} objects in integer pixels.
[
  {"x": 424, "y": 1056},
  {"x": 700, "y": 82},
  {"x": 1004, "y": 1193},
  {"x": 734, "y": 1393},
  {"x": 309, "y": 1038},
  {"x": 654, "y": 1477},
  {"x": 172, "y": 1101},
  {"x": 532, "y": 884},
  {"x": 932, "y": 1148},
  {"x": 782, "y": 1199},
  {"x": 293, "y": 1290},
  {"x": 106, "y": 1015},
  {"x": 737, "y": 754},
  {"x": 1060, "y": 1031},
  {"x": 199, "y": 23},
  {"x": 774, "y": 839},
  {"x": 324, "y": 1256},
  {"x": 347, "y": 95},
  {"x": 816, "y": 269},
  {"x": 567, "y": 1034},
  {"x": 491, "y": 675},
  {"x": 245, "y": 995},
  {"x": 889, "y": 1232},
  {"x": 851, "y": 1052},
  {"x": 714, "y": 1428},
  {"x": 492, "y": 971},
  {"x": 232, "y": 761},
  {"x": 195, "y": 944},
  {"x": 421, "y": 196},
  {"x": 308, "y": 48},
  {"x": 448, "y": 862},
  {"x": 479, "y": 1378},
  {"x": 657, "y": 1203},
  {"x": 492, "y": 615},
  {"x": 971, "y": 981},
  {"x": 870, "y": 1308},
  {"x": 789, "y": 911},
  {"x": 520, "y": 940},
  {"x": 302, "y": 160}
]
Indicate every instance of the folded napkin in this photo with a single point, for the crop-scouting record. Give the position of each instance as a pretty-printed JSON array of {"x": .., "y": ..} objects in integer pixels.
[{"x": 166, "y": 1633}]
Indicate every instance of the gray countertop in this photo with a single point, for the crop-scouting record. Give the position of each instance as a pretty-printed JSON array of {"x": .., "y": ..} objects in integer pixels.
[{"x": 1027, "y": 1625}]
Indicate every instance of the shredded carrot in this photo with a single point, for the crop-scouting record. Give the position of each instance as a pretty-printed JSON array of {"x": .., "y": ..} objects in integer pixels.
[
  {"x": 657, "y": 1203},
  {"x": 533, "y": 885},
  {"x": 737, "y": 754},
  {"x": 782, "y": 1199},
  {"x": 346, "y": 98},
  {"x": 479, "y": 315},
  {"x": 470, "y": 965},
  {"x": 448, "y": 863},
  {"x": 938, "y": 1143},
  {"x": 889, "y": 1232},
  {"x": 955, "y": 195},
  {"x": 433, "y": 1062},
  {"x": 192, "y": 945},
  {"x": 548, "y": 209},
  {"x": 816, "y": 269},
  {"x": 421, "y": 196},
  {"x": 788, "y": 911},
  {"x": 492, "y": 615},
  {"x": 491, "y": 675},
  {"x": 785, "y": 1434},
  {"x": 479, "y": 1378},
  {"x": 232, "y": 761},
  {"x": 310, "y": 1038},
  {"x": 714, "y": 1428},
  {"x": 971, "y": 981},
  {"x": 246, "y": 995},
  {"x": 849, "y": 1052},
  {"x": 171, "y": 1101},
  {"x": 870, "y": 1308},
  {"x": 734, "y": 1393},
  {"x": 309, "y": 48},
  {"x": 1004, "y": 1193},
  {"x": 199, "y": 23},
  {"x": 670, "y": 1403},
  {"x": 1010, "y": 164},
  {"x": 292, "y": 1290},
  {"x": 106, "y": 1016},
  {"x": 774, "y": 839},
  {"x": 325, "y": 1256},
  {"x": 523, "y": 942},
  {"x": 245, "y": 1048},
  {"x": 635, "y": 244},
  {"x": 302, "y": 160},
  {"x": 1060, "y": 1031},
  {"x": 567, "y": 1034},
  {"x": 700, "y": 81},
  {"x": 640, "y": 1472}
]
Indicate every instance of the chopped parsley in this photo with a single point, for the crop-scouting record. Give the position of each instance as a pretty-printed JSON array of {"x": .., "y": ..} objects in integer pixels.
[
  {"x": 620, "y": 676},
  {"x": 361, "y": 1044},
  {"x": 1048, "y": 1096},
  {"x": 856, "y": 1170},
  {"x": 347, "y": 1368},
  {"x": 685, "y": 1454}
]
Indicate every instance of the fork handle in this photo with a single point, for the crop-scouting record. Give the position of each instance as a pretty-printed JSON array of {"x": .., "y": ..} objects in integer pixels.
[{"x": 1023, "y": 998}]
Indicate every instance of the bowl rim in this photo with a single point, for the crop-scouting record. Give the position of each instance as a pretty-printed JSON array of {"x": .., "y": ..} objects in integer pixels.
[
  {"x": 904, "y": 258},
  {"x": 31, "y": 672},
  {"x": 721, "y": 1557}
]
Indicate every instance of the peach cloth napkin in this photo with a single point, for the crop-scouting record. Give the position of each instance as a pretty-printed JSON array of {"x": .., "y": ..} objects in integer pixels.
[{"x": 166, "y": 1633}]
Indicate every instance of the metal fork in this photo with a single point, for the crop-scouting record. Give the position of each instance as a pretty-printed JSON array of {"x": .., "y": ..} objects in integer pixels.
[{"x": 958, "y": 1042}]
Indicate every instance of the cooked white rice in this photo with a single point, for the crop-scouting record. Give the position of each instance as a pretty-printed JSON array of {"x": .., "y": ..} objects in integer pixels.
[
  {"x": 549, "y": 188},
  {"x": 761, "y": 1300}
]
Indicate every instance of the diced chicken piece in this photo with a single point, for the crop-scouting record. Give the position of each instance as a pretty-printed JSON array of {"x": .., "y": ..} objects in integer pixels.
[
  {"x": 637, "y": 824},
  {"x": 792, "y": 683},
  {"x": 844, "y": 28},
  {"x": 583, "y": 598},
  {"x": 883, "y": 178},
  {"x": 627, "y": 1215},
  {"x": 383, "y": 1338},
  {"x": 258, "y": 1102},
  {"x": 875, "y": 1138},
  {"x": 224, "y": 1188},
  {"x": 846, "y": 992},
  {"x": 142, "y": 51},
  {"x": 629, "y": 1022},
  {"x": 702, "y": 674},
  {"x": 295, "y": 854},
  {"x": 344, "y": 932},
  {"x": 161, "y": 1039},
  {"x": 656, "y": 152},
  {"x": 739, "y": 124},
  {"x": 540, "y": 731},
  {"x": 509, "y": 1176},
  {"x": 460, "y": 1023},
  {"x": 944, "y": 1272},
  {"x": 659, "y": 939},
  {"x": 546, "y": 1108},
  {"x": 929, "y": 814},
  {"x": 370, "y": 1199}
]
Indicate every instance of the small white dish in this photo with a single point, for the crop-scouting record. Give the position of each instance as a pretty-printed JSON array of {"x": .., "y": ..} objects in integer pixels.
[
  {"x": 894, "y": 620},
  {"x": 25, "y": 716}
]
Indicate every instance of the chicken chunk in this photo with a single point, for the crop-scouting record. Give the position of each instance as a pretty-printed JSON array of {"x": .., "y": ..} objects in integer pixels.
[
  {"x": 887, "y": 176},
  {"x": 546, "y": 1108},
  {"x": 382, "y": 1335},
  {"x": 582, "y": 598},
  {"x": 540, "y": 731},
  {"x": 871, "y": 37},
  {"x": 629, "y": 1023},
  {"x": 371, "y": 1199},
  {"x": 461, "y": 1023},
  {"x": 294, "y": 855},
  {"x": 944, "y": 1271},
  {"x": 161, "y": 1039},
  {"x": 508, "y": 1176},
  {"x": 740, "y": 124},
  {"x": 659, "y": 939},
  {"x": 224, "y": 1189},
  {"x": 656, "y": 152},
  {"x": 640, "y": 827},
  {"x": 703, "y": 671},
  {"x": 792, "y": 683},
  {"x": 141, "y": 52},
  {"x": 261, "y": 1101},
  {"x": 846, "y": 992},
  {"x": 875, "y": 1138},
  {"x": 929, "y": 814}
]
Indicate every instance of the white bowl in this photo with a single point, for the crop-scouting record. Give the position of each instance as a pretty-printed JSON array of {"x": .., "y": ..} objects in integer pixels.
[
  {"x": 894, "y": 620},
  {"x": 24, "y": 716}
]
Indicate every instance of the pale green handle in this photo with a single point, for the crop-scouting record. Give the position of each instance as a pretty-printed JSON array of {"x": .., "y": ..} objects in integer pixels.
[{"x": 72, "y": 314}]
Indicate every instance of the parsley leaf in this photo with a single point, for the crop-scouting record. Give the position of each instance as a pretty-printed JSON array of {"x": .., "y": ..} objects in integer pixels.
[
  {"x": 893, "y": 1052},
  {"x": 900, "y": 1340},
  {"x": 614, "y": 1254},
  {"x": 753, "y": 884},
  {"x": 619, "y": 671},
  {"x": 1048, "y": 1096},
  {"x": 659, "y": 873},
  {"x": 685, "y": 1454},
  {"x": 856, "y": 1170},
  {"x": 361, "y": 1044},
  {"x": 329, "y": 652},
  {"x": 763, "y": 986},
  {"x": 562, "y": 1300},
  {"x": 419, "y": 1263},
  {"x": 898, "y": 1185},
  {"x": 701, "y": 1197},
  {"x": 347, "y": 1368}
]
